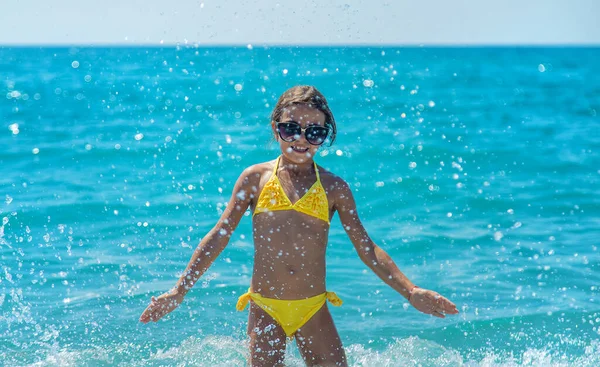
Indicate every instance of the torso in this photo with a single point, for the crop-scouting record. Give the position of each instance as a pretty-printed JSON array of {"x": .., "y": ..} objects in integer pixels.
[{"x": 289, "y": 246}]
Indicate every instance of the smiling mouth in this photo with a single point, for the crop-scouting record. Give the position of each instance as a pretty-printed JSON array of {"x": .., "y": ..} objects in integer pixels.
[{"x": 299, "y": 150}]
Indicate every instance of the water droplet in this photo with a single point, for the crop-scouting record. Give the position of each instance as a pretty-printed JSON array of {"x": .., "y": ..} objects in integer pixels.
[
  {"x": 139, "y": 136},
  {"x": 14, "y": 128},
  {"x": 368, "y": 83},
  {"x": 75, "y": 64},
  {"x": 14, "y": 94}
]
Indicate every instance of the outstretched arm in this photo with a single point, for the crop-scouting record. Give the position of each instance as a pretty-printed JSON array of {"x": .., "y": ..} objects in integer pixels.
[
  {"x": 209, "y": 248},
  {"x": 218, "y": 237},
  {"x": 380, "y": 262}
]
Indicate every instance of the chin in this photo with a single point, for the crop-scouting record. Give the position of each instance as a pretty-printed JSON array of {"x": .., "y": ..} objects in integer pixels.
[{"x": 299, "y": 157}]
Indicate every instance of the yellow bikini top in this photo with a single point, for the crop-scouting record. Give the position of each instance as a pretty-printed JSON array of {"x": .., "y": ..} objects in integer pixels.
[{"x": 313, "y": 203}]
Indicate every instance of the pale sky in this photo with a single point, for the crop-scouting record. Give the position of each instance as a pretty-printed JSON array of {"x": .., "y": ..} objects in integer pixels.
[{"x": 351, "y": 22}]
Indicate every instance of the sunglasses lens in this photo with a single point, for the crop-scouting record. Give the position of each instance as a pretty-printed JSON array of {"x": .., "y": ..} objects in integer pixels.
[
  {"x": 289, "y": 132},
  {"x": 316, "y": 135}
]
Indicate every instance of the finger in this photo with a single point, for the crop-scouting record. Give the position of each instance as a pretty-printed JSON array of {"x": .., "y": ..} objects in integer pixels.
[
  {"x": 153, "y": 316},
  {"x": 438, "y": 314},
  {"x": 150, "y": 310},
  {"x": 145, "y": 318},
  {"x": 431, "y": 310},
  {"x": 446, "y": 302},
  {"x": 442, "y": 302},
  {"x": 159, "y": 313},
  {"x": 148, "y": 313},
  {"x": 449, "y": 307},
  {"x": 451, "y": 310},
  {"x": 145, "y": 314}
]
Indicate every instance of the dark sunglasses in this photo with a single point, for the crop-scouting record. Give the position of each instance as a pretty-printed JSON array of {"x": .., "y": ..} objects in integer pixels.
[{"x": 291, "y": 130}]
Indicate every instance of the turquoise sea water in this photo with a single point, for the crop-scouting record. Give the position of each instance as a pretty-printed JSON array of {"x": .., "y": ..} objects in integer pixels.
[{"x": 477, "y": 170}]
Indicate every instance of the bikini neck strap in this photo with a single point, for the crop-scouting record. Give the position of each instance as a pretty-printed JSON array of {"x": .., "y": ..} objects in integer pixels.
[{"x": 277, "y": 166}]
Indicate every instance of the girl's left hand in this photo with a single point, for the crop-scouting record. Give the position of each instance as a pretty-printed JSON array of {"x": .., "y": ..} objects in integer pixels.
[{"x": 431, "y": 303}]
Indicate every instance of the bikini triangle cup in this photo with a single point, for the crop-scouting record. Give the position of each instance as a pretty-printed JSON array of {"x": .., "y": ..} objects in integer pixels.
[{"x": 273, "y": 198}]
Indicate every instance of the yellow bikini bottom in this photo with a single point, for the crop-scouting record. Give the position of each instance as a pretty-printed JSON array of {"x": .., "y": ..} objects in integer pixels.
[{"x": 291, "y": 315}]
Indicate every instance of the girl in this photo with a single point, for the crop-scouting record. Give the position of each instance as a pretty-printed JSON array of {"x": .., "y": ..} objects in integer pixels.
[{"x": 292, "y": 201}]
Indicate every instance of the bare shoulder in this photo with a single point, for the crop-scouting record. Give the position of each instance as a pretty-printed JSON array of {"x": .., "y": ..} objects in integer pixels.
[
  {"x": 256, "y": 171},
  {"x": 339, "y": 193},
  {"x": 254, "y": 176},
  {"x": 332, "y": 183}
]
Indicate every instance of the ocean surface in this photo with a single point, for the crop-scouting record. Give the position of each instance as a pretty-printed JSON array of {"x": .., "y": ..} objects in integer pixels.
[{"x": 476, "y": 169}]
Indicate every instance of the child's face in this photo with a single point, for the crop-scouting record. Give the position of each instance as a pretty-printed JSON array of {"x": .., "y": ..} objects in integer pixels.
[{"x": 300, "y": 150}]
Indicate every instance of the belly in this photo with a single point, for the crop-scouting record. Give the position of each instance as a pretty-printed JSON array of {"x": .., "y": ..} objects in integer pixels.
[{"x": 289, "y": 255}]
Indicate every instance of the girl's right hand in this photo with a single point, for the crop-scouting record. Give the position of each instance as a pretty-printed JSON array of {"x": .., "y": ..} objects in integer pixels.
[{"x": 161, "y": 306}]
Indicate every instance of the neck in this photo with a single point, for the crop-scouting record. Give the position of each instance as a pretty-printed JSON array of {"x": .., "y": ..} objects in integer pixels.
[{"x": 304, "y": 168}]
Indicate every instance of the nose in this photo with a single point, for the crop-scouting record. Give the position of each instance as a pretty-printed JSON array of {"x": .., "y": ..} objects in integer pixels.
[{"x": 302, "y": 137}]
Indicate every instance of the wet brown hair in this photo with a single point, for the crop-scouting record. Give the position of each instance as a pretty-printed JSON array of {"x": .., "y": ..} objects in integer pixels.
[{"x": 306, "y": 95}]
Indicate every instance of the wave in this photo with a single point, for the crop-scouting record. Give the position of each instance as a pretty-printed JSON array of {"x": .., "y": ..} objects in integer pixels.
[{"x": 229, "y": 351}]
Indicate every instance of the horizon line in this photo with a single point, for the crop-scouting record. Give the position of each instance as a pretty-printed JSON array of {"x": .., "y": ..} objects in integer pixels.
[{"x": 251, "y": 45}]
